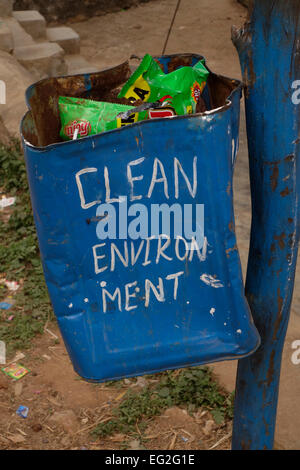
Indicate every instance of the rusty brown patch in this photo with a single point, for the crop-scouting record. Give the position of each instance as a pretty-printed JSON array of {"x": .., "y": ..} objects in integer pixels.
[
  {"x": 251, "y": 71},
  {"x": 264, "y": 394},
  {"x": 249, "y": 76},
  {"x": 278, "y": 315},
  {"x": 285, "y": 192},
  {"x": 160, "y": 64},
  {"x": 229, "y": 250},
  {"x": 246, "y": 445},
  {"x": 271, "y": 369},
  {"x": 296, "y": 141},
  {"x": 280, "y": 239},
  {"x": 274, "y": 178},
  {"x": 267, "y": 426},
  {"x": 201, "y": 106},
  {"x": 219, "y": 88},
  {"x": 44, "y": 100},
  {"x": 231, "y": 226},
  {"x": 178, "y": 61},
  {"x": 29, "y": 130},
  {"x": 228, "y": 189}
]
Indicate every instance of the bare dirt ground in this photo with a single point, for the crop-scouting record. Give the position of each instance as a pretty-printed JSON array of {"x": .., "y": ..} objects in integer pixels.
[
  {"x": 63, "y": 410},
  {"x": 52, "y": 387}
]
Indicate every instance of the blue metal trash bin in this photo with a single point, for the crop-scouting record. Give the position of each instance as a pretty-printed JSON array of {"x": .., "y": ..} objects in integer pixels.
[{"x": 127, "y": 307}]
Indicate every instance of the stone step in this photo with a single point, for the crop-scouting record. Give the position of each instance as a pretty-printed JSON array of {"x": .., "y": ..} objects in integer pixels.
[
  {"x": 16, "y": 79},
  {"x": 6, "y": 7},
  {"x": 66, "y": 37},
  {"x": 33, "y": 22},
  {"x": 77, "y": 64},
  {"x": 20, "y": 37},
  {"x": 6, "y": 38},
  {"x": 43, "y": 59}
]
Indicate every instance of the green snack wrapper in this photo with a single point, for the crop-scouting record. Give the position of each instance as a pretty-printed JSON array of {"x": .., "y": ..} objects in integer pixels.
[
  {"x": 140, "y": 113},
  {"x": 179, "y": 90},
  {"x": 91, "y": 117},
  {"x": 166, "y": 95},
  {"x": 15, "y": 371}
]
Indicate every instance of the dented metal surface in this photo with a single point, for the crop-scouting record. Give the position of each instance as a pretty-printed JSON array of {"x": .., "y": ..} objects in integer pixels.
[
  {"x": 42, "y": 97},
  {"x": 268, "y": 49},
  {"x": 144, "y": 309}
]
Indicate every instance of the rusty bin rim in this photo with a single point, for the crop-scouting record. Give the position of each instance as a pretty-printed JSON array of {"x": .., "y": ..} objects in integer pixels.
[{"x": 228, "y": 104}]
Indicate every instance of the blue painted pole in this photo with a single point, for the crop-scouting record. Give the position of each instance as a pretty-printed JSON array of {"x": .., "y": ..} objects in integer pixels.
[{"x": 269, "y": 51}]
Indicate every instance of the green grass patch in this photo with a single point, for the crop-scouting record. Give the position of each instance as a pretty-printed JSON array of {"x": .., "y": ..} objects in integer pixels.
[
  {"x": 19, "y": 256},
  {"x": 192, "y": 388}
]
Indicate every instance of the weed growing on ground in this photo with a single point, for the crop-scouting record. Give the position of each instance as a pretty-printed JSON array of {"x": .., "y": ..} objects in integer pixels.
[
  {"x": 19, "y": 256},
  {"x": 192, "y": 388}
]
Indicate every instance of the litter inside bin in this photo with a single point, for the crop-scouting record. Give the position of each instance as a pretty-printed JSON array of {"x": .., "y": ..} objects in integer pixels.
[
  {"x": 169, "y": 94},
  {"x": 182, "y": 88},
  {"x": 81, "y": 117},
  {"x": 43, "y": 125},
  {"x": 87, "y": 116}
]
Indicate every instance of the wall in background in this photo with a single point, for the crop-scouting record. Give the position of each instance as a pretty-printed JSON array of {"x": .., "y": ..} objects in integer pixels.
[{"x": 63, "y": 10}]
